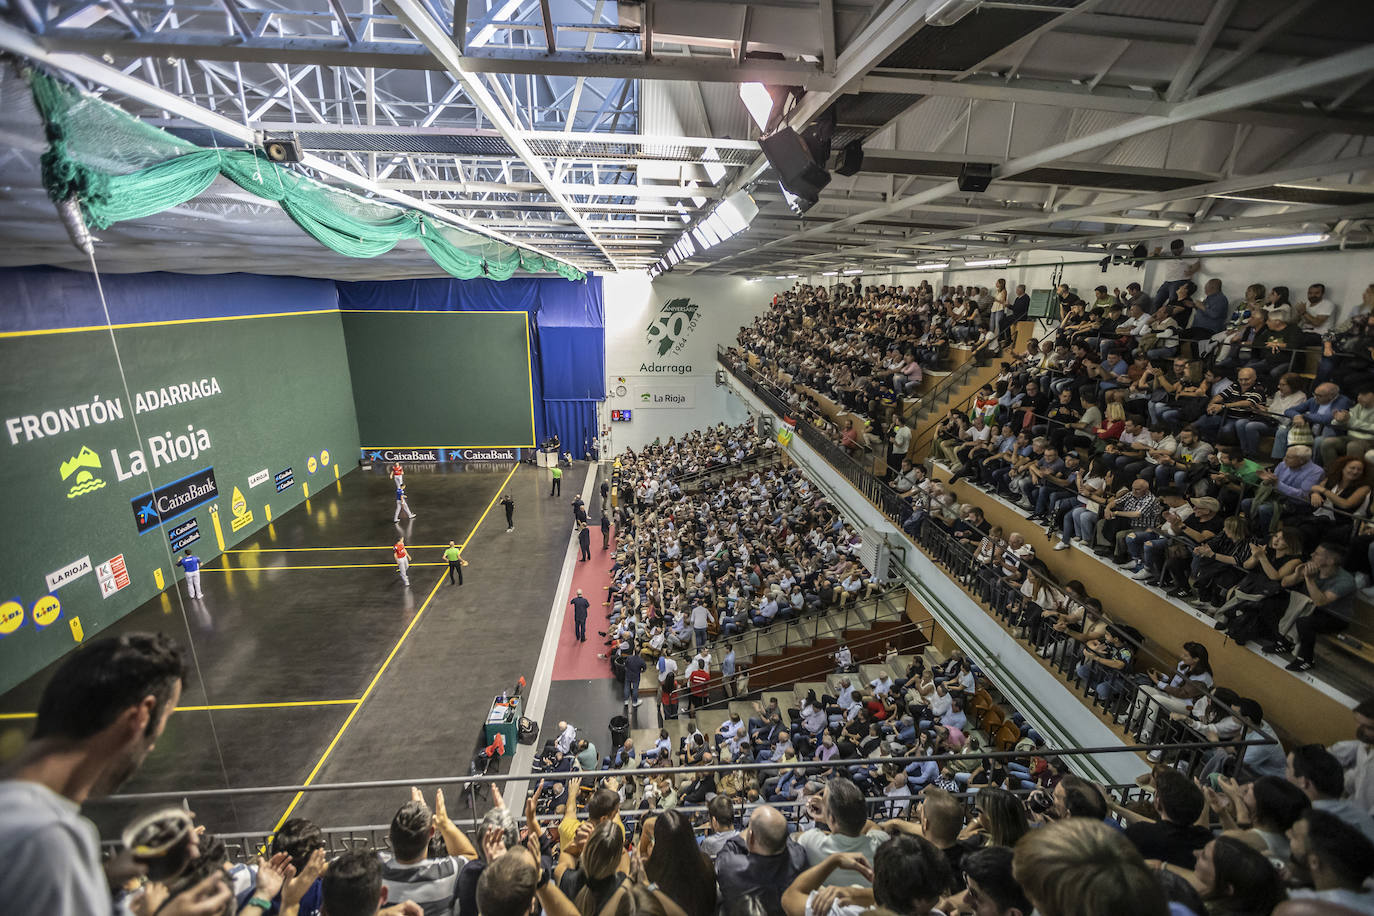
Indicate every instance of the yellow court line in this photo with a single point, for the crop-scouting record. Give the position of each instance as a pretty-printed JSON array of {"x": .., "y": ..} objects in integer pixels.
[
  {"x": 385, "y": 664},
  {"x": 313, "y": 549},
  {"x": 219, "y": 707},
  {"x": 158, "y": 324},
  {"x": 228, "y": 569}
]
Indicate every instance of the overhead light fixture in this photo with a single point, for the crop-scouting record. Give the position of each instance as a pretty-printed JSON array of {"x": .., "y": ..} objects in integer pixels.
[
  {"x": 716, "y": 223},
  {"x": 715, "y": 169},
  {"x": 951, "y": 11},
  {"x": 1279, "y": 242},
  {"x": 687, "y": 244},
  {"x": 779, "y": 278},
  {"x": 738, "y": 211},
  {"x": 988, "y": 262},
  {"x": 937, "y": 266},
  {"x": 830, "y": 273},
  {"x": 794, "y": 276},
  {"x": 853, "y": 271},
  {"x": 760, "y": 104},
  {"x": 682, "y": 213}
]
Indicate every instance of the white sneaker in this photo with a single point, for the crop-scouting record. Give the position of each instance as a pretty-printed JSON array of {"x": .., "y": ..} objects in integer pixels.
[
  {"x": 1062, "y": 545},
  {"x": 1155, "y": 756},
  {"x": 1141, "y": 573},
  {"x": 637, "y": 702}
]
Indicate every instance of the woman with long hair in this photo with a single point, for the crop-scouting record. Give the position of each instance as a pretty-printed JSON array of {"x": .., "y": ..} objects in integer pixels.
[
  {"x": 604, "y": 866},
  {"x": 1002, "y": 816},
  {"x": 1235, "y": 878},
  {"x": 679, "y": 867}
]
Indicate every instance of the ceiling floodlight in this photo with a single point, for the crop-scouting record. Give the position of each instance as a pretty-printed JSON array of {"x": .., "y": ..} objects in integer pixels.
[
  {"x": 829, "y": 273},
  {"x": 715, "y": 169},
  {"x": 988, "y": 262},
  {"x": 707, "y": 234},
  {"x": 1280, "y": 242},
  {"x": 687, "y": 244},
  {"x": 939, "y": 266},
  {"x": 718, "y": 225},
  {"x": 760, "y": 104},
  {"x": 853, "y": 271}
]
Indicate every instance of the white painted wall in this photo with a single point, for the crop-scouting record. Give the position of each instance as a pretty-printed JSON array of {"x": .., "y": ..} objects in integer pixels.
[
  {"x": 633, "y": 303},
  {"x": 1346, "y": 274}
]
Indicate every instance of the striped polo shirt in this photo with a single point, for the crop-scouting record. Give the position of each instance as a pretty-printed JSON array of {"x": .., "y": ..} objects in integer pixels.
[{"x": 432, "y": 883}]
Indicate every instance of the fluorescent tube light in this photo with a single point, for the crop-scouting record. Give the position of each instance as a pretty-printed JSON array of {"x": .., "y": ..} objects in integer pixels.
[
  {"x": 710, "y": 160},
  {"x": 1240, "y": 244},
  {"x": 829, "y": 273},
  {"x": 951, "y": 11},
  {"x": 853, "y": 270},
  {"x": 988, "y": 262},
  {"x": 940, "y": 266}
]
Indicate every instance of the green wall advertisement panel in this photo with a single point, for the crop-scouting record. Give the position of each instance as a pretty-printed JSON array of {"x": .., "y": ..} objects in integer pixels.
[
  {"x": 223, "y": 422},
  {"x": 441, "y": 379}
]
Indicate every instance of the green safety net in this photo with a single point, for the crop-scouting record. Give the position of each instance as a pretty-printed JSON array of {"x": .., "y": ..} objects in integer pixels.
[{"x": 119, "y": 168}]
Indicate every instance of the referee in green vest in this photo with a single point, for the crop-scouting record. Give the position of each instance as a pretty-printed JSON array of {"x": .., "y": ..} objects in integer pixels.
[
  {"x": 455, "y": 563},
  {"x": 557, "y": 487}
]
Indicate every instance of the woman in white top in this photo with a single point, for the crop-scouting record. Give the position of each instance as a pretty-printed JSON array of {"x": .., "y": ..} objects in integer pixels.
[{"x": 1174, "y": 692}]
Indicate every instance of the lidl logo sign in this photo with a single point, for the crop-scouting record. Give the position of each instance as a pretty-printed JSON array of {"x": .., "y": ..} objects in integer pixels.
[
  {"x": 669, "y": 331},
  {"x": 82, "y": 466},
  {"x": 46, "y": 610},
  {"x": 11, "y": 617},
  {"x": 239, "y": 506}
]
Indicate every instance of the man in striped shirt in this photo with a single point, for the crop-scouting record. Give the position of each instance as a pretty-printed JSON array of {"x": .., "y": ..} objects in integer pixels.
[{"x": 409, "y": 873}]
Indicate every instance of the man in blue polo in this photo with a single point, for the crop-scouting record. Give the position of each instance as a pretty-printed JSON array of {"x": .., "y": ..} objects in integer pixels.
[{"x": 191, "y": 564}]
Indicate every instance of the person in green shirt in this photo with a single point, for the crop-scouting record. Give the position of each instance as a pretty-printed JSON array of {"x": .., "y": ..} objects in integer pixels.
[
  {"x": 557, "y": 487},
  {"x": 455, "y": 562},
  {"x": 1235, "y": 474}
]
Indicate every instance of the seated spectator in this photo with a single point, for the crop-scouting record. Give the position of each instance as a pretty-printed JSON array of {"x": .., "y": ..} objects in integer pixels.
[
  {"x": 1331, "y": 589},
  {"x": 841, "y": 807},
  {"x": 908, "y": 876},
  {"x": 353, "y": 885},
  {"x": 679, "y": 867},
  {"x": 1174, "y": 836},
  {"x": 761, "y": 861},
  {"x": 99, "y": 717},
  {"x": 1318, "y": 773},
  {"x": 1332, "y": 862},
  {"x": 992, "y": 888},
  {"x": 1079, "y": 867},
  {"x": 1234, "y": 877}
]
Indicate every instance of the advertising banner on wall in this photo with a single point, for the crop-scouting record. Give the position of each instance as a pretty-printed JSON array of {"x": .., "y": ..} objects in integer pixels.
[
  {"x": 438, "y": 455},
  {"x": 651, "y": 393}
]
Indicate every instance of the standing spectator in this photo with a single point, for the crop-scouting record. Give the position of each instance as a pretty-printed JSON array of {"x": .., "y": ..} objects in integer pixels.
[
  {"x": 98, "y": 719},
  {"x": 698, "y": 685},
  {"x": 605, "y": 528},
  {"x": 353, "y": 885},
  {"x": 722, "y": 814},
  {"x": 580, "y": 605},
  {"x": 1176, "y": 270},
  {"x": 634, "y": 667},
  {"x": 508, "y": 503}
]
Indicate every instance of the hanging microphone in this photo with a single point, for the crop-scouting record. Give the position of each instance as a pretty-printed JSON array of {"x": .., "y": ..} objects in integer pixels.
[{"x": 69, "y": 211}]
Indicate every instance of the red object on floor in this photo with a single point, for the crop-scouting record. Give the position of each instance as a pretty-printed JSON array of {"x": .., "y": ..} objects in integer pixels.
[{"x": 577, "y": 661}]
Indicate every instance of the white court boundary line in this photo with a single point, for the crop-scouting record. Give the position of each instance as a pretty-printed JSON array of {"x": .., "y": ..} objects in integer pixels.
[{"x": 538, "y": 697}]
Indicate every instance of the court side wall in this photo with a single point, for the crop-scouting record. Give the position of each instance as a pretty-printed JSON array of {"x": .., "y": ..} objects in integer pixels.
[
  {"x": 261, "y": 406},
  {"x": 661, "y": 339}
]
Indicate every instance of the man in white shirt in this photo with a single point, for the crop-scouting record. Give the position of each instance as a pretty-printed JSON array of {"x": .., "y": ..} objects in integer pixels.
[
  {"x": 1357, "y": 757},
  {"x": 567, "y": 734},
  {"x": 841, "y": 806},
  {"x": 882, "y": 685},
  {"x": 1314, "y": 316},
  {"x": 100, "y": 716},
  {"x": 1176, "y": 270}
]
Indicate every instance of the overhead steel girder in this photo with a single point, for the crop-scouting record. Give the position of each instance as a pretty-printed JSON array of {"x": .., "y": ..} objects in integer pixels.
[
  {"x": 1275, "y": 85},
  {"x": 1066, "y": 95},
  {"x": 418, "y": 20},
  {"x": 402, "y": 55},
  {"x": 23, "y": 44}
]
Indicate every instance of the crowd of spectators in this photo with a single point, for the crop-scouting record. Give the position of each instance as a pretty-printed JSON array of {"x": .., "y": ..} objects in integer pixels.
[
  {"x": 1203, "y": 460},
  {"x": 867, "y": 349},
  {"x": 695, "y": 565},
  {"x": 1291, "y": 844}
]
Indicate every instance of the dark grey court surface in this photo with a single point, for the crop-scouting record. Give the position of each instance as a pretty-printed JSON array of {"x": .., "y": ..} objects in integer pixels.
[{"x": 270, "y": 631}]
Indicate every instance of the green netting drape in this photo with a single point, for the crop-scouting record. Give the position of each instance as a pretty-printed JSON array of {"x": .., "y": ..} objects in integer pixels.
[{"x": 119, "y": 168}]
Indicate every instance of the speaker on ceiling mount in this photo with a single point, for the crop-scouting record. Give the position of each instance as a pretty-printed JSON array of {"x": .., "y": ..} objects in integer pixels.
[
  {"x": 283, "y": 149},
  {"x": 800, "y": 177},
  {"x": 850, "y": 159},
  {"x": 975, "y": 176}
]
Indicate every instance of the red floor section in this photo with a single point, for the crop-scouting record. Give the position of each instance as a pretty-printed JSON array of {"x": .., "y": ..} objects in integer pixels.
[{"x": 577, "y": 660}]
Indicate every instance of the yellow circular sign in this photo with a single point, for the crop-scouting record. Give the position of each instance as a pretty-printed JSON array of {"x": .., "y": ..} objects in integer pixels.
[
  {"x": 324, "y": 458},
  {"x": 11, "y": 617},
  {"x": 46, "y": 610},
  {"x": 311, "y": 465}
]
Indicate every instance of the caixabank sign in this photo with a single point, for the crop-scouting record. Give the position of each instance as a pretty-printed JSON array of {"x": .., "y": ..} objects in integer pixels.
[
  {"x": 177, "y": 498},
  {"x": 437, "y": 455}
]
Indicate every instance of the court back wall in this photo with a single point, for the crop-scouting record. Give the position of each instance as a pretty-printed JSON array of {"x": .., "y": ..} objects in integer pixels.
[
  {"x": 248, "y": 398},
  {"x": 441, "y": 379}
]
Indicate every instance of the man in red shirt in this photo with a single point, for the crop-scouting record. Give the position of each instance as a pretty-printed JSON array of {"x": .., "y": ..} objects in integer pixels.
[
  {"x": 402, "y": 560},
  {"x": 397, "y": 473},
  {"x": 698, "y": 679}
]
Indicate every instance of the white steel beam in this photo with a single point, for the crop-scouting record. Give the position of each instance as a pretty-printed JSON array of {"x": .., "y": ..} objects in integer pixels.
[
  {"x": 23, "y": 44},
  {"x": 1319, "y": 72},
  {"x": 1211, "y": 28},
  {"x": 418, "y": 20}
]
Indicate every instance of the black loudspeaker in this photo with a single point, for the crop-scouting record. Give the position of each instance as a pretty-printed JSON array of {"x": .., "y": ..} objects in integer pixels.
[
  {"x": 851, "y": 159},
  {"x": 282, "y": 149},
  {"x": 798, "y": 173},
  {"x": 975, "y": 176}
]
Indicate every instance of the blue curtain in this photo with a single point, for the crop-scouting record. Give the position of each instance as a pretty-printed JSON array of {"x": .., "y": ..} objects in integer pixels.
[{"x": 567, "y": 337}]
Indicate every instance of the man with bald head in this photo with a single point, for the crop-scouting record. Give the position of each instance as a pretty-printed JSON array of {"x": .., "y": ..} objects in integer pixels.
[{"x": 761, "y": 860}]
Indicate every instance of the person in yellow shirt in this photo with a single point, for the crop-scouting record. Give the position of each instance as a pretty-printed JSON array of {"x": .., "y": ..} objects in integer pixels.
[{"x": 603, "y": 805}]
